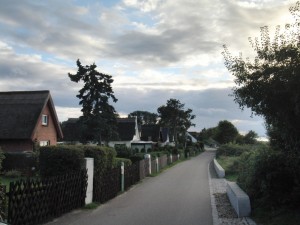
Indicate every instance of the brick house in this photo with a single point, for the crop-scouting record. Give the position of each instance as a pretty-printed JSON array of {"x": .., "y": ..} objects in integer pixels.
[{"x": 27, "y": 118}]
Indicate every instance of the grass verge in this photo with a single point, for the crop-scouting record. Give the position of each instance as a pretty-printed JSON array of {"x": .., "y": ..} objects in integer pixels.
[{"x": 230, "y": 165}]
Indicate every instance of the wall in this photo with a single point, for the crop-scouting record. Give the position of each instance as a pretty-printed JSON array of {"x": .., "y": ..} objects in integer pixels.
[{"x": 48, "y": 132}]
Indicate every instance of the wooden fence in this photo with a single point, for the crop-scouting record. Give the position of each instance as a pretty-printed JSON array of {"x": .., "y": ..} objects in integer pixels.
[{"x": 36, "y": 201}]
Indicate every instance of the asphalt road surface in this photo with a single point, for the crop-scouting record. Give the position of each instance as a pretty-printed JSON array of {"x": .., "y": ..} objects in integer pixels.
[{"x": 178, "y": 196}]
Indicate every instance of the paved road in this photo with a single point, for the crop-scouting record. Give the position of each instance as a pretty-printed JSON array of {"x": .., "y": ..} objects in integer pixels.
[{"x": 178, "y": 196}]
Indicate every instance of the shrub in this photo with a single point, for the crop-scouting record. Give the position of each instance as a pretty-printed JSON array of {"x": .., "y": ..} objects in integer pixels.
[
  {"x": 137, "y": 157},
  {"x": 13, "y": 174},
  {"x": 232, "y": 149},
  {"x": 271, "y": 177},
  {"x": 23, "y": 162},
  {"x": 104, "y": 157},
  {"x": 123, "y": 151},
  {"x": 2, "y": 157},
  {"x": 58, "y": 160},
  {"x": 118, "y": 161}
]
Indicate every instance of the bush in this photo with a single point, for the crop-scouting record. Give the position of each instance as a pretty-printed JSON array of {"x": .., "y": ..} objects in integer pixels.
[
  {"x": 118, "y": 161},
  {"x": 137, "y": 157},
  {"x": 233, "y": 149},
  {"x": 23, "y": 162},
  {"x": 13, "y": 174},
  {"x": 62, "y": 159},
  {"x": 2, "y": 157},
  {"x": 104, "y": 157},
  {"x": 123, "y": 151},
  {"x": 270, "y": 177}
]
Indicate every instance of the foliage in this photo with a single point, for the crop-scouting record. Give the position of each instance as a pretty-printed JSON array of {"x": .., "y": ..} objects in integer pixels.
[
  {"x": 231, "y": 166},
  {"x": 73, "y": 130},
  {"x": 270, "y": 177},
  {"x": 98, "y": 115},
  {"x": 270, "y": 84},
  {"x": 2, "y": 157},
  {"x": 137, "y": 157},
  {"x": 13, "y": 174},
  {"x": 249, "y": 138},
  {"x": 144, "y": 117},
  {"x": 206, "y": 134},
  {"x": 123, "y": 151},
  {"x": 58, "y": 160},
  {"x": 232, "y": 150},
  {"x": 226, "y": 132},
  {"x": 104, "y": 157},
  {"x": 118, "y": 161},
  {"x": 20, "y": 161},
  {"x": 174, "y": 116}
]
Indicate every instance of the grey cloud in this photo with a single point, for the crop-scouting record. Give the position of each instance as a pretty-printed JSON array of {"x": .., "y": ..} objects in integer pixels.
[{"x": 210, "y": 106}]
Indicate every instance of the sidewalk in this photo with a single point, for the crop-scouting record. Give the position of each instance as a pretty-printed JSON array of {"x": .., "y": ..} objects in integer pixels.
[{"x": 222, "y": 212}]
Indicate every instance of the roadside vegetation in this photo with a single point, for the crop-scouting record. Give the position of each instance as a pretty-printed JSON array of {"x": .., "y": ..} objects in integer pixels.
[{"x": 269, "y": 85}]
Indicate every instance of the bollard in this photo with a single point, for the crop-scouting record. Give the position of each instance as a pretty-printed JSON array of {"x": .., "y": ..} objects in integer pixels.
[
  {"x": 148, "y": 157},
  {"x": 122, "y": 176},
  {"x": 171, "y": 159},
  {"x": 157, "y": 166},
  {"x": 89, "y": 163}
]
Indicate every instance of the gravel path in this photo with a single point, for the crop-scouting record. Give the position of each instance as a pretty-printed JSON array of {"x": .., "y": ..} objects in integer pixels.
[{"x": 223, "y": 213}]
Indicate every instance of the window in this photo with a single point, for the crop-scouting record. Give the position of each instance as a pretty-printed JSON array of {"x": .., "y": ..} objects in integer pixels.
[
  {"x": 45, "y": 120},
  {"x": 44, "y": 143}
]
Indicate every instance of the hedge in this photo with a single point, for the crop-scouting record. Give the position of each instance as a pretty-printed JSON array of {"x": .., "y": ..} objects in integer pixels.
[
  {"x": 104, "y": 157},
  {"x": 23, "y": 162},
  {"x": 118, "y": 161},
  {"x": 61, "y": 159}
]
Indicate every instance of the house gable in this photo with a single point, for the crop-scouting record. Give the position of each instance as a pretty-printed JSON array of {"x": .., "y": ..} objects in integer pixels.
[{"x": 20, "y": 119}]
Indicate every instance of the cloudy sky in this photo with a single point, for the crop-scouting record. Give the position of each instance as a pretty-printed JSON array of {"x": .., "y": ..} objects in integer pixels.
[{"x": 154, "y": 49}]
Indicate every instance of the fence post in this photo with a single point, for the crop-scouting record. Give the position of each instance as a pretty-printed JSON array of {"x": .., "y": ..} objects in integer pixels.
[
  {"x": 157, "y": 166},
  {"x": 89, "y": 164},
  {"x": 122, "y": 176},
  {"x": 148, "y": 157}
]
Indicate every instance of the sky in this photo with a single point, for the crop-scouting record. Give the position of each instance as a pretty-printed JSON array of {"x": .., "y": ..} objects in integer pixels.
[{"x": 154, "y": 49}]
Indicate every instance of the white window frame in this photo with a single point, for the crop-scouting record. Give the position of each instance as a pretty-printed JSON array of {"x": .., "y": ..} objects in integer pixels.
[
  {"x": 44, "y": 143},
  {"x": 44, "y": 120}
]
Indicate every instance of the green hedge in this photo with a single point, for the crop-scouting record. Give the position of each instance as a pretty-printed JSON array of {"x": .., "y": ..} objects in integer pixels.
[
  {"x": 58, "y": 160},
  {"x": 118, "y": 161},
  {"x": 271, "y": 177},
  {"x": 104, "y": 157},
  {"x": 23, "y": 162},
  {"x": 2, "y": 157}
]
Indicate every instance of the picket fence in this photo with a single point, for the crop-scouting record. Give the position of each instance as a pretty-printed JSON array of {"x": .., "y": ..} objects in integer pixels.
[{"x": 35, "y": 201}]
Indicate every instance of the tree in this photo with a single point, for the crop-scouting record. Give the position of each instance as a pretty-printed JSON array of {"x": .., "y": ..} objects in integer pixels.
[
  {"x": 144, "y": 117},
  {"x": 226, "y": 132},
  {"x": 98, "y": 115},
  {"x": 250, "y": 137},
  {"x": 269, "y": 85},
  {"x": 174, "y": 116}
]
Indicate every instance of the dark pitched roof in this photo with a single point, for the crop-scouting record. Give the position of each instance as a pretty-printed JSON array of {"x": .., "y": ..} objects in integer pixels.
[
  {"x": 126, "y": 128},
  {"x": 152, "y": 131},
  {"x": 19, "y": 112}
]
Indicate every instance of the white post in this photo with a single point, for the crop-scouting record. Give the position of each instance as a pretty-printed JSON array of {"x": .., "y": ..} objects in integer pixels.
[
  {"x": 122, "y": 176},
  {"x": 171, "y": 158},
  {"x": 178, "y": 156},
  {"x": 89, "y": 164},
  {"x": 148, "y": 157},
  {"x": 157, "y": 166}
]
